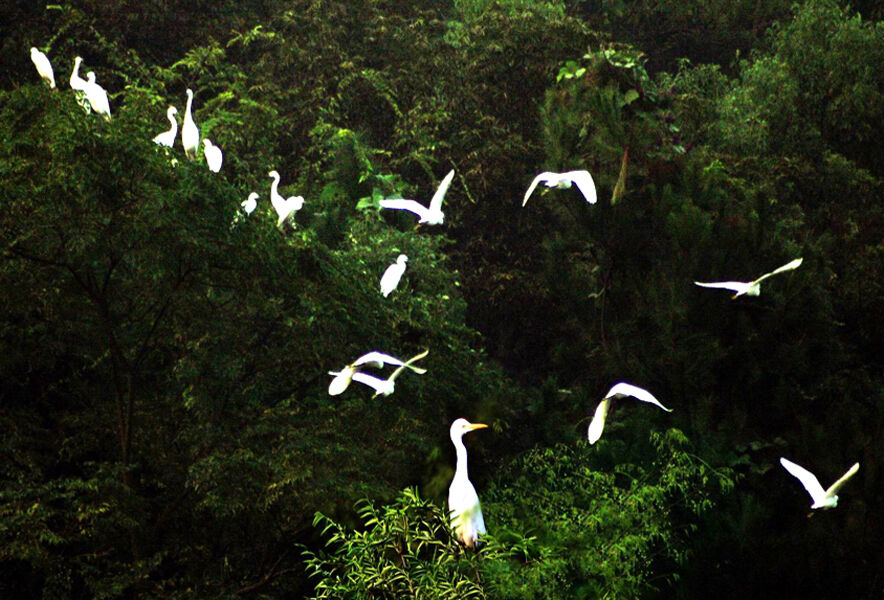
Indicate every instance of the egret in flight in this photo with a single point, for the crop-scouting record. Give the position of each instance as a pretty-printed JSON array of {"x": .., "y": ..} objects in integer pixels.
[
  {"x": 582, "y": 179},
  {"x": 213, "y": 155},
  {"x": 620, "y": 390},
  {"x": 432, "y": 214},
  {"x": 750, "y": 288},
  {"x": 372, "y": 359},
  {"x": 190, "y": 133},
  {"x": 44, "y": 67},
  {"x": 285, "y": 207},
  {"x": 463, "y": 501},
  {"x": 167, "y": 138},
  {"x": 78, "y": 84},
  {"x": 97, "y": 96},
  {"x": 392, "y": 275},
  {"x": 821, "y": 498}
]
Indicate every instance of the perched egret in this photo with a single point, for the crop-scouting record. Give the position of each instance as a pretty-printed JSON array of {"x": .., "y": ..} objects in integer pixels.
[
  {"x": 377, "y": 360},
  {"x": 431, "y": 215},
  {"x": 167, "y": 138},
  {"x": 44, "y": 67},
  {"x": 285, "y": 207},
  {"x": 213, "y": 155},
  {"x": 190, "y": 133},
  {"x": 463, "y": 501},
  {"x": 751, "y": 288},
  {"x": 78, "y": 84},
  {"x": 821, "y": 498},
  {"x": 582, "y": 179},
  {"x": 601, "y": 411},
  {"x": 249, "y": 205},
  {"x": 97, "y": 96},
  {"x": 392, "y": 275}
]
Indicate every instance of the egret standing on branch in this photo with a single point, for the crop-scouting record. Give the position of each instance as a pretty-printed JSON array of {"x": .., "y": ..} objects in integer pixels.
[
  {"x": 582, "y": 179},
  {"x": 285, "y": 207},
  {"x": 431, "y": 215},
  {"x": 821, "y": 498},
  {"x": 78, "y": 84},
  {"x": 44, "y": 67},
  {"x": 213, "y": 155},
  {"x": 463, "y": 501},
  {"x": 190, "y": 133},
  {"x": 97, "y": 96},
  {"x": 750, "y": 288},
  {"x": 392, "y": 275},
  {"x": 618, "y": 391},
  {"x": 167, "y": 138}
]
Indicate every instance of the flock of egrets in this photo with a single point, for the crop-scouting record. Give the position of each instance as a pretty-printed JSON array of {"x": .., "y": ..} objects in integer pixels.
[{"x": 463, "y": 501}]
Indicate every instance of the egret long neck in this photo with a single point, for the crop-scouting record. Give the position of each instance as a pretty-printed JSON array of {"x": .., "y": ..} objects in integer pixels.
[{"x": 460, "y": 472}]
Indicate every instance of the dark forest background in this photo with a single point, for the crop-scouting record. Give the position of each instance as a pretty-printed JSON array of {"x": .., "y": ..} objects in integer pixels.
[{"x": 166, "y": 427}]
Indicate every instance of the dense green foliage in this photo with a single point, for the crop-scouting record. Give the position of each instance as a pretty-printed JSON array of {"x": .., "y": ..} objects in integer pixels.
[{"x": 164, "y": 358}]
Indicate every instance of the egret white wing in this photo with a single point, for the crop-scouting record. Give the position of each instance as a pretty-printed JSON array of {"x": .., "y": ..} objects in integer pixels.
[
  {"x": 807, "y": 479},
  {"x": 791, "y": 266},
  {"x": 598, "y": 421},
  {"x": 736, "y": 286},
  {"x": 584, "y": 182},
  {"x": 436, "y": 201},
  {"x": 833, "y": 489},
  {"x": 380, "y": 386},
  {"x": 409, "y": 205},
  {"x": 627, "y": 389},
  {"x": 545, "y": 176},
  {"x": 377, "y": 359}
]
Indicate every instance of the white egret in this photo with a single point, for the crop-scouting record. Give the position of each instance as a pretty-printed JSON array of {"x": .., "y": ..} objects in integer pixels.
[
  {"x": 44, "y": 67},
  {"x": 78, "y": 84},
  {"x": 821, "y": 498},
  {"x": 97, "y": 96},
  {"x": 582, "y": 179},
  {"x": 285, "y": 207},
  {"x": 167, "y": 138},
  {"x": 750, "y": 288},
  {"x": 392, "y": 275},
  {"x": 377, "y": 360},
  {"x": 190, "y": 133},
  {"x": 432, "y": 214},
  {"x": 463, "y": 501},
  {"x": 617, "y": 391},
  {"x": 249, "y": 205},
  {"x": 213, "y": 155}
]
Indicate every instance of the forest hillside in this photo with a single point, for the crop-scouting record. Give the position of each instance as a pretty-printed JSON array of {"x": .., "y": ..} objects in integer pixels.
[{"x": 166, "y": 348}]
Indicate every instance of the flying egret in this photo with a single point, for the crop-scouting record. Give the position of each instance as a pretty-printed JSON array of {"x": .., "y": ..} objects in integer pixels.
[
  {"x": 249, "y": 205},
  {"x": 431, "y": 215},
  {"x": 392, "y": 275},
  {"x": 618, "y": 391},
  {"x": 377, "y": 360},
  {"x": 97, "y": 96},
  {"x": 285, "y": 207},
  {"x": 213, "y": 155},
  {"x": 167, "y": 138},
  {"x": 463, "y": 502},
  {"x": 582, "y": 179},
  {"x": 751, "y": 288},
  {"x": 78, "y": 84},
  {"x": 44, "y": 67},
  {"x": 190, "y": 133},
  {"x": 821, "y": 498}
]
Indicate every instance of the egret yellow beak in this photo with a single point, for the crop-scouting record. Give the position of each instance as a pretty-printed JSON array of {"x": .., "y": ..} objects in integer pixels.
[{"x": 474, "y": 426}]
